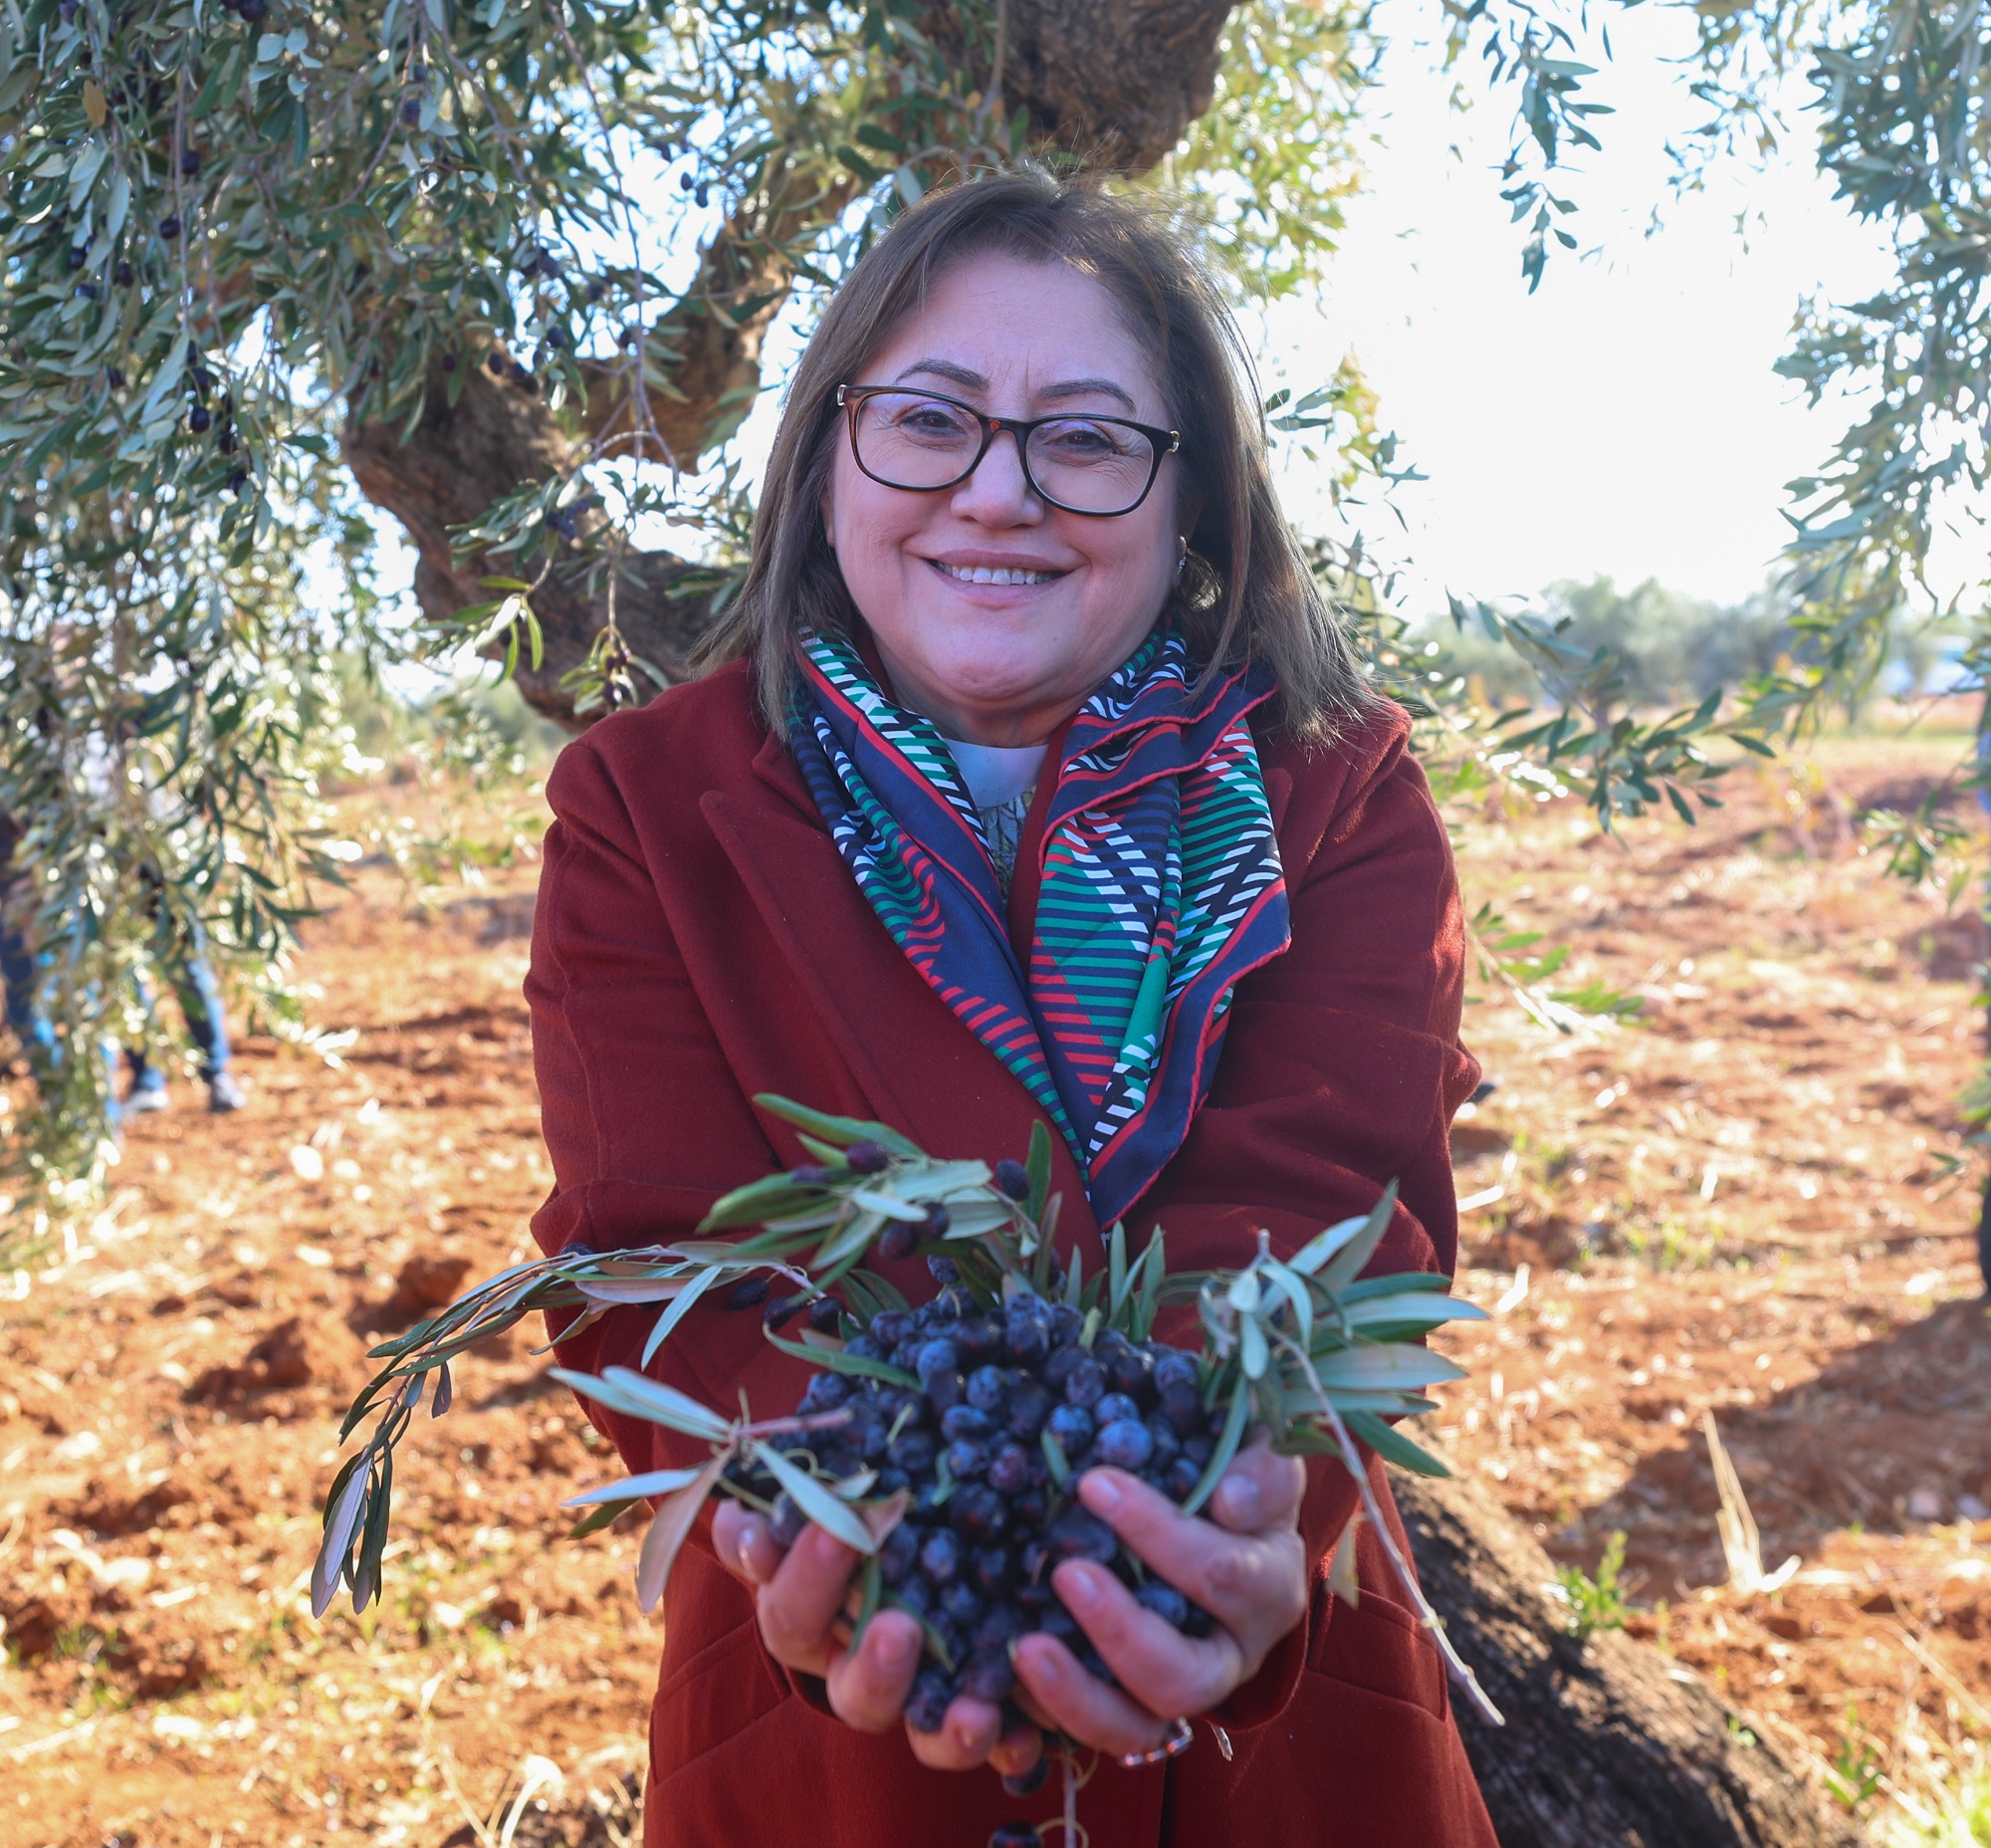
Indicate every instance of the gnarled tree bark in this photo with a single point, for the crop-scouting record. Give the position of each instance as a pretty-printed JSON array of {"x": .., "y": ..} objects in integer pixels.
[
  {"x": 1114, "y": 86},
  {"x": 1608, "y": 1743}
]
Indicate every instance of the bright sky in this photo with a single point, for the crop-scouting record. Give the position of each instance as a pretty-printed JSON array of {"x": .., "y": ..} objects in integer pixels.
[{"x": 1624, "y": 419}]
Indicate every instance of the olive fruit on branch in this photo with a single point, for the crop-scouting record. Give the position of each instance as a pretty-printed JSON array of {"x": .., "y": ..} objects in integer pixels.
[{"x": 943, "y": 1443}]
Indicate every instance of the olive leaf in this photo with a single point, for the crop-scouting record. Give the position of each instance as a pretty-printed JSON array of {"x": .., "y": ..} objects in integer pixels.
[
  {"x": 815, "y": 1501},
  {"x": 686, "y": 1302},
  {"x": 667, "y": 1532},
  {"x": 623, "y": 1389},
  {"x": 843, "y": 1132},
  {"x": 346, "y": 1504},
  {"x": 1227, "y": 1442},
  {"x": 605, "y": 1515},
  {"x": 1392, "y": 1445},
  {"x": 1346, "y": 1263},
  {"x": 840, "y": 1360},
  {"x": 635, "y": 1488},
  {"x": 1386, "y": 1367},
  {"x": 1341, "y": 1578}
]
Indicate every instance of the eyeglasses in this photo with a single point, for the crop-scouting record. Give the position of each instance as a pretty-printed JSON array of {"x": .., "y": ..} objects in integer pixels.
[{"x": 922, "y": 443}]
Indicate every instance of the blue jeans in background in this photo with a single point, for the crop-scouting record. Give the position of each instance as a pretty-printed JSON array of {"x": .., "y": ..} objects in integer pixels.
[
  {"x": 200, "y": 1002},
  {"x": 206, "y": 1022}
]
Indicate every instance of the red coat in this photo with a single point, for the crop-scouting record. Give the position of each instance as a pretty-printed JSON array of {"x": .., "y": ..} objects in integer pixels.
[{"x": 699, "y": 939}]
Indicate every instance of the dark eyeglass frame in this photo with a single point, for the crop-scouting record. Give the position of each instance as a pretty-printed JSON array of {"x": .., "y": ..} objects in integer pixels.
[{"x": 1164, "y": 444}]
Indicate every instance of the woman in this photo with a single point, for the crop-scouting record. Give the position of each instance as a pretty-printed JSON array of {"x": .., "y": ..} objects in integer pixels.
[{"x": 1030, "y": 782}]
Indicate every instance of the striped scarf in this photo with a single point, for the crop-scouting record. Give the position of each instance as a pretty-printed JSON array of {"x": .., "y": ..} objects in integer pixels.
[{"x": 1160, "y": 888}]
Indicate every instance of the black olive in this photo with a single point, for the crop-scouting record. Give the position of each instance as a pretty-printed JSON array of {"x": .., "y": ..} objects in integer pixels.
[
  {"x": 169, "y": 226},
  {"x": 122, "y": 276},
  {"x": 825, "y": 1316},
  {"x": 1029, "y": 1785},
  {"x": 76, "y": 254},
  {"x": 199, "y": 418},
  {"x": 1013, "y": 1178},
  {"x": 1165, "y": 1601},
  {"x": 867, "y": 1158},
  {"x": 449, "y": 362},
  {"x": 190, "y": 162},
  {"x": 786, "y": 1523},
  {"x": 926, "y": 1709}
]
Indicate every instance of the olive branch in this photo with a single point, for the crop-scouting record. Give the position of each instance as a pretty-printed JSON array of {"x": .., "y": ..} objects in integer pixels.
[{"x": 1306, "y": 1347}]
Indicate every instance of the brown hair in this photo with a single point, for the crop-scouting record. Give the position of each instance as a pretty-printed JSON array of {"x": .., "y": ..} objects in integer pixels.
[{"x": 1245, "y": 592}]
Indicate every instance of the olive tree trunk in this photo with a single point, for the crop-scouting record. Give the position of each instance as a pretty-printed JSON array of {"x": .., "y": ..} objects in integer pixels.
[{"x": 1608, "y": 1744}]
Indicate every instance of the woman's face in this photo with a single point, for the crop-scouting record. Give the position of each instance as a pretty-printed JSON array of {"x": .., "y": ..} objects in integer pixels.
[{"x": 1005, "y": 663}]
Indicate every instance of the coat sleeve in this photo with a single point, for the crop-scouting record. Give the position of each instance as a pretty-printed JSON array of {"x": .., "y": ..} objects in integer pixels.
[
  {"x": 643, "y": 1118},
  {"x": 1340, "y": 1071}
]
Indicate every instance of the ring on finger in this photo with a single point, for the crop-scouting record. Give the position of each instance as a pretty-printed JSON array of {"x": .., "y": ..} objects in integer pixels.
[{"x": 1174, "y": 1742}]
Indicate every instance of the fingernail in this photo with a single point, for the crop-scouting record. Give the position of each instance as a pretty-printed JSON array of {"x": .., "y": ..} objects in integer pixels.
[
  {"x": 893, "y": 1650},
  {"x": 1079, "y": 1590},
  {"x": 1241, "y": 1501},
  {"x": 750, "y": 1539},
  {"x": 1101, "y": 1494}
]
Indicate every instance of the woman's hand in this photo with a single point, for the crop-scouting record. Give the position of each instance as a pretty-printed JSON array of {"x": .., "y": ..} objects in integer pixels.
[
  {"x": 1247, "y": 1567},
  {"x": 800, "y": 1599}
]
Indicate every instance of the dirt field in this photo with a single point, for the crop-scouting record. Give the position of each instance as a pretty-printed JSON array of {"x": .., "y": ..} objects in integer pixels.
[{"x": 1744, "y": 1206}]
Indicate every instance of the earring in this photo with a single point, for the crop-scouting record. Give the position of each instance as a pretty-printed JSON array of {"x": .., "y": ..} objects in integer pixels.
[{"x": 1182, "y": 557}]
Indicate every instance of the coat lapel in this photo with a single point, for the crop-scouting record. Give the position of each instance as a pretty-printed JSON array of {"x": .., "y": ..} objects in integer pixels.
[{"x": 920, "y": 1069}]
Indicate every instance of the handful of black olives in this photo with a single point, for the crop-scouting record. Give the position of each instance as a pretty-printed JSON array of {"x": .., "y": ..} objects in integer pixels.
[{"x": 1010, "y": 1408}]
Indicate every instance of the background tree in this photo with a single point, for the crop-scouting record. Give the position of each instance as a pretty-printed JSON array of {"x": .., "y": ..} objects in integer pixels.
[{"x": 256, "y": 258}]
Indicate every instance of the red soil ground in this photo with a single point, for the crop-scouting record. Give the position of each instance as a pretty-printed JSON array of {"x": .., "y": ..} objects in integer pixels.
[{"x": 1744, "y": 1206}]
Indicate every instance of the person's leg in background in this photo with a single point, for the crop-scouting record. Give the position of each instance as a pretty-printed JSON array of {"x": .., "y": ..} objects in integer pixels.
[
  {"x": 207, "y": 1023},
  {"x": 199, "y": 995},
  {"x": 148, "y": 1081},
  {"x": 24, "y": 1015},
  {"x": 20, "y": 968}
]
